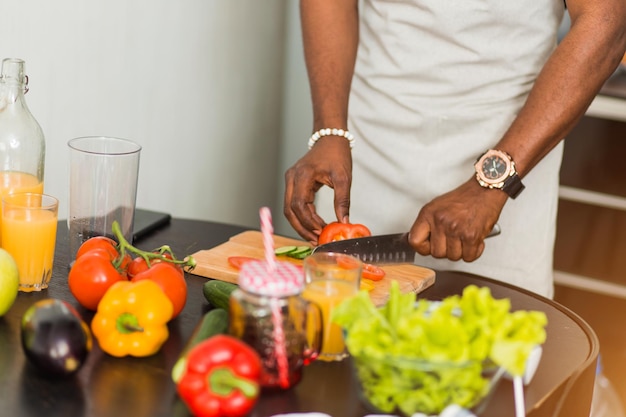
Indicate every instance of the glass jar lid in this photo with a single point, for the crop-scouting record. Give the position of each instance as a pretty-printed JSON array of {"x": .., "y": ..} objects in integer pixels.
[{"x": 283, "y": 280}]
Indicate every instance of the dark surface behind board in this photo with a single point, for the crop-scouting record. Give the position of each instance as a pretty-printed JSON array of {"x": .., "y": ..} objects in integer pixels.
[{"x": 147, "y": 221}]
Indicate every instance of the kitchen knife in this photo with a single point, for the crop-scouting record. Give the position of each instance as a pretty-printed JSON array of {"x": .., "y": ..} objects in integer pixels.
[{"x": 381, "y": 249}]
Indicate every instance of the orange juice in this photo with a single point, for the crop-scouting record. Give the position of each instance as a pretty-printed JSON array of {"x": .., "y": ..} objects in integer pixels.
[
  {"x": 29, "y": 235},
  {"x": 327, "y": 294},
  {"x": 12, "y": 182}
]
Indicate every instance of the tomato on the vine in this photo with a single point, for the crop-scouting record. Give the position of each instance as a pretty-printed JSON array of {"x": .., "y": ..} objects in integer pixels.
[
  {"x": 340, "y": 231},
  {"x": 139, "y": 264},
  {"x": 104, "y": 243},
  {"x": 91, "y": 276},
  {"x": 170, "y": 279},
  {"x": 98, "y": 242},
  {"x": 101, "y": 262}
]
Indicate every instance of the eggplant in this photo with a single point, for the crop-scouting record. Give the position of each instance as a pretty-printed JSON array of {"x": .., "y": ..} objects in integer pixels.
[{"x": 55, "y": 338}]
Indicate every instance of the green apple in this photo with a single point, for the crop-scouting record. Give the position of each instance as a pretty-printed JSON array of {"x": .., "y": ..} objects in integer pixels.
[{"x": 9, "y": 281}]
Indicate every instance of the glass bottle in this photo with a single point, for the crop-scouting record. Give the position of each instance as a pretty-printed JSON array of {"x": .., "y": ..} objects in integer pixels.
[
  {"x": 269, "y": 314},
  {"x": 22, "y": 144}
]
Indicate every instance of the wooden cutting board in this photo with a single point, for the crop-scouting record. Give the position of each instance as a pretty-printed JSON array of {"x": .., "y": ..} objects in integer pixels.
[{"x": 213, "y": 263}]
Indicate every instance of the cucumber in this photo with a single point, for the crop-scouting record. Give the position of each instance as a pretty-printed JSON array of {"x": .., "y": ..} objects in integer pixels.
[
  {"x": 214, "y": 322},
  {"x": 284, "y": 250},
  {"x": 218, "y": 292},
  {"x": 301, "y": 252},
  {"x": 296, "y": 252}
]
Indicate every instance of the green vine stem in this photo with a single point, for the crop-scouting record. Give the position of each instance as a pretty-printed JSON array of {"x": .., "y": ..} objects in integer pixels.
[{"x": 161, "y": 254}]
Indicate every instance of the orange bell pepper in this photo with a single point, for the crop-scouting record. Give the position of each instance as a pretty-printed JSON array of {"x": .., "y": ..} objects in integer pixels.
[{"x": 132, "y": 319}]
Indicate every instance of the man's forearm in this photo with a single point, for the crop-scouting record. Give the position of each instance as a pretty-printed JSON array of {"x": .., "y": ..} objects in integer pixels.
[{"x": 330, "y": 36}]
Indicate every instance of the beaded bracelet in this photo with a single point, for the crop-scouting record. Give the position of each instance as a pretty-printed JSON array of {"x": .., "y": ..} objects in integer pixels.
[{"x": 328, "y": 132}]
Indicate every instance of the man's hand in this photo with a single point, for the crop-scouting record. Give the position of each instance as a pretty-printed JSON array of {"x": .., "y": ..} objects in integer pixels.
[
  {"x": 328, "y": 163},
  {"x": 454, "y": 225}
]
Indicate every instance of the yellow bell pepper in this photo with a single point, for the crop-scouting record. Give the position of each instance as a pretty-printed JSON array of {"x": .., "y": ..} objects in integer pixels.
[{"x": 132, "y": 319}]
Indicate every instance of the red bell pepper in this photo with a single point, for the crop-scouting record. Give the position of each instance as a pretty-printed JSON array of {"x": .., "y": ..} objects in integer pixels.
[{"x": 221, "y": 379}]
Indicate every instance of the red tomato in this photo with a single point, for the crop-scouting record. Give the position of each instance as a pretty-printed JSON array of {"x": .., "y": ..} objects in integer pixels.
[
  {"x": 139, "y": 264},
  {"x": 237, "y": 261},
  {"x": 340, "y": 231},
  {"x": 171, "y": 281},
  {"x": 91, "y": 276},
  {"x": 104, "y": 243},
  {"x": 100, "y": 242},
  {"x": 372, "y": 272}
]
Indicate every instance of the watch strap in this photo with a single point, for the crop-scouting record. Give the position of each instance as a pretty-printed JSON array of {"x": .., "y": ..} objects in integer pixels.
[{"x": 513, "y": 186}]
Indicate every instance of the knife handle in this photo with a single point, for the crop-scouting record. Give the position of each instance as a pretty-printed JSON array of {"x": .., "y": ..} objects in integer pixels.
[{"x": 495, "y": 231}]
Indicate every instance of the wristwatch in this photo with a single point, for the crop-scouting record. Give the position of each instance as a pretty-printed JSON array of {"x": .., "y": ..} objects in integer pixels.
[{"x": 496, "y": 169}]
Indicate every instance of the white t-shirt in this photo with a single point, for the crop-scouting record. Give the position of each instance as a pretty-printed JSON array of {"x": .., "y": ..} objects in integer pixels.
[{"x": 437, "y": 82}]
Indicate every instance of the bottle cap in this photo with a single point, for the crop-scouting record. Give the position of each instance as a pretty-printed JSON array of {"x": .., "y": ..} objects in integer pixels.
[{"x": 284, "y": 280}]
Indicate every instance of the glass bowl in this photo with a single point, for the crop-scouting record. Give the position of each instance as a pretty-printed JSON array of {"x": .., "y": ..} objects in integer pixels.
[{"x": 405, "y": 386}]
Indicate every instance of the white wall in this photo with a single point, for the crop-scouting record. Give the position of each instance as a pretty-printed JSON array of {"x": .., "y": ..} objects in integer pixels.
[
  {"x": 198, "y": 83},
  {"x": 297, "y": 114},
  {"x": 214, "y": 90}
]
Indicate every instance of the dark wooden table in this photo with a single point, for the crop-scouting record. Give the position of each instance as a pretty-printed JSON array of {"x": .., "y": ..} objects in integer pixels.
[{"x": 141, "y": 387}]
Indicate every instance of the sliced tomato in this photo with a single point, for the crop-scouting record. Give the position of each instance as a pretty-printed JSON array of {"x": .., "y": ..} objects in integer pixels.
[
  {"x": 237, "y": 261},
  {"x": 340, "y": 231},
  {"x": 347, "y": 262},
  {"x": 372, "y": 272}
]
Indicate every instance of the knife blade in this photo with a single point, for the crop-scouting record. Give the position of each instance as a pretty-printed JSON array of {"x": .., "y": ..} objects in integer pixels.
[{"x": 381, "y": 249}]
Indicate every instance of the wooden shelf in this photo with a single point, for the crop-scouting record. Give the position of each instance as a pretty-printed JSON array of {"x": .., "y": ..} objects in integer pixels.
[
  {"x": 590, "y": 246},
  {"x": 591, "y": 242},
  {"x": 606, "y": 107},
  {"x": 593, "y": 159}
]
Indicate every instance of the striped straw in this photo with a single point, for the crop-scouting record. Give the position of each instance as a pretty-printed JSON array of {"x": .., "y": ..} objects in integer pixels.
[
  {"x": 279, "y": 345},
  {"x": 268, "y": 240},
  {"x": 277, "y": 319}
]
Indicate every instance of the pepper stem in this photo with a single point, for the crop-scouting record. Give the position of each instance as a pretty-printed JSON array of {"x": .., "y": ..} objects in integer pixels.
[
  {"x": 223, "y": 381},
  {"x": 128, "y": 323},
  {"x": 162, "y": 254}
]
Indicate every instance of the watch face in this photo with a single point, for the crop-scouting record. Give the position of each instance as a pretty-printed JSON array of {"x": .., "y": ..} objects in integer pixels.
[{"x": 494, "y": 167}]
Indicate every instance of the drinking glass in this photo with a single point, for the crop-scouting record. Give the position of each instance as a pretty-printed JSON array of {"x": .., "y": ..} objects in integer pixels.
[
  {"x": 103, "y": 188},
  {"x": 29, "y": 229},
  {"x": 330, "y": 278}
]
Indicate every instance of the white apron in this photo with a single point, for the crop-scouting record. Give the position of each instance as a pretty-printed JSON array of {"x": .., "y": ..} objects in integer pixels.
[{"x": 437, "y": 82}]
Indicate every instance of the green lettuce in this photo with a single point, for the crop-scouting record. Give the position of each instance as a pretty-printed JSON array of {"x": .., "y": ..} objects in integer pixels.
[{"x": 421, "y": 356}]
